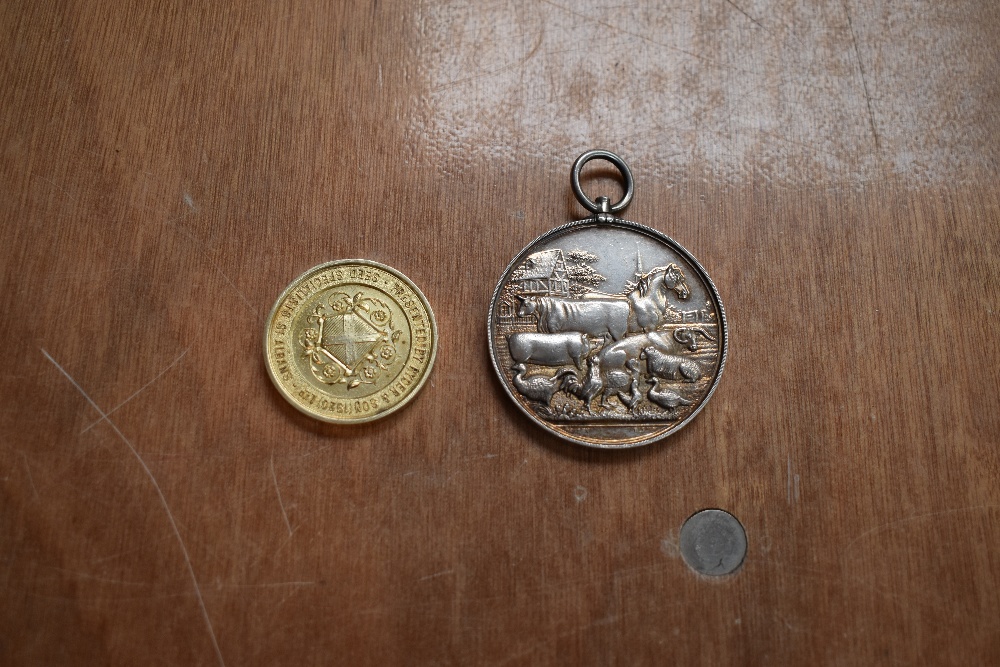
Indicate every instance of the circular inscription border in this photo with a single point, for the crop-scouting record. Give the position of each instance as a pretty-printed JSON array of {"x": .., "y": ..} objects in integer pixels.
[{"x": 283, "y": 330}]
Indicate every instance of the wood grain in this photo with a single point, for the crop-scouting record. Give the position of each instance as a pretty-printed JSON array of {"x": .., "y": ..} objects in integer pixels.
[{"x": 168, "y": 168}]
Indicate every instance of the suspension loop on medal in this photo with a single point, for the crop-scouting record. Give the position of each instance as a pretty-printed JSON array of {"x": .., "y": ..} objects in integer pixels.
[{"x": 602, "y": 205}]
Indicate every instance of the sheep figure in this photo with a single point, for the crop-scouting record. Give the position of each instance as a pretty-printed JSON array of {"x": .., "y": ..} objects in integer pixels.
[{"x": 670, "y": 366}]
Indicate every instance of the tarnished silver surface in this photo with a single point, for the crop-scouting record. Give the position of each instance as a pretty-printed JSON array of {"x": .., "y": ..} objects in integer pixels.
[
  {"x": 605, "y": 332},
  {"x": 713, "y": 542}
]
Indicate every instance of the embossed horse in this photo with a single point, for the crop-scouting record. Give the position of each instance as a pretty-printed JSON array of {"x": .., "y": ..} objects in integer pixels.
[{"x": 648, "y": 301}]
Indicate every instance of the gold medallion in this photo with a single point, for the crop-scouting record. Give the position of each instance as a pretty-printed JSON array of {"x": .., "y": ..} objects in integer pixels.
[{"x": 350, "y": 341}]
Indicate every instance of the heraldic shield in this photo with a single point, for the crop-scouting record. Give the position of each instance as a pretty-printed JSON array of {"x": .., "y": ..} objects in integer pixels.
[{"x": 354, "y": 340}]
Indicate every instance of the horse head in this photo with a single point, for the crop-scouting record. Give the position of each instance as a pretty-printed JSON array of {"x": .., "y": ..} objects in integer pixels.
[{"x": 670, "y": 277}]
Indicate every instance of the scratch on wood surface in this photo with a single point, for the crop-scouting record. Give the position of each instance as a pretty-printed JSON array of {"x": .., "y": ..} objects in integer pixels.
[
  {"x": 163, "y": 501},
  {"x": 558, "y": 586},
  {"x": 909, "y": 519},
  {"x": 281, "y": 504},
  {"x": 832, "y": 577},
  {"x": 742, "y": 11},
  {"x": 864, "y": 80},
  {"x": 532, "y": 648},
  {"x": 120, "y": 554},
  {"x": 792, "y": 484},
  {"x": 788, "y": 624},
  {"x": 31, "y": 481},
  {"x": 137, "y": 392},
  {"x": 270, "y": 584},
  {"x": 93, "y": 577},
  {"x": 198, "y": 247},
  {"x": 436, "y": 574},
  {"x": 177, "y": 218},
  {"x": 57, "y": 187},
  {"x": 236, "y": 289},
  {"x": 488, "y": 73},
  {"x": 619, "y": 30}
]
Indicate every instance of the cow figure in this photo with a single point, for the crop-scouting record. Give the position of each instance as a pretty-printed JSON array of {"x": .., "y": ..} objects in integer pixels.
[
  {"x": 548, "y": 349},
  {"x": 601, "y": 318}
]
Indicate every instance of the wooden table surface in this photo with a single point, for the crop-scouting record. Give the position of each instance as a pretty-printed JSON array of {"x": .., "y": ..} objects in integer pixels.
[{"x": 168, "y": 168}]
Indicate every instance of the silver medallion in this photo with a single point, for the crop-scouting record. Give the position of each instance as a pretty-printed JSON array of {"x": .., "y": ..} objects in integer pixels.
[{"x": 606, "y": 332}]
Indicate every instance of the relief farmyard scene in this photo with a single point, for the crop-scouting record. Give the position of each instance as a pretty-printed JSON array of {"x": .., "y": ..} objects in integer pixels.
[{"x": 594, "y": 330}]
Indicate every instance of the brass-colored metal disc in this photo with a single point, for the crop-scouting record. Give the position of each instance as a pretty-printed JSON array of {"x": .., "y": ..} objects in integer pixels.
[{"x": 350, "y": 341}]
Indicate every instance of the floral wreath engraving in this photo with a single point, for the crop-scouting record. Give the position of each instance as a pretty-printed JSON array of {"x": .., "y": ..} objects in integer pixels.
[{"x": 354, "y": 340}]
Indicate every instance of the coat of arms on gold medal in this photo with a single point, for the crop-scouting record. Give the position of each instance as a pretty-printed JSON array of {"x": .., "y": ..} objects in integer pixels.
[
  {"x": 353, "y": 341},
  {"x": 350, "y": 341}
]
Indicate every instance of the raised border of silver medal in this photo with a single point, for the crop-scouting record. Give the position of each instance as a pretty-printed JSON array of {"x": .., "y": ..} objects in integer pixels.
[{"x": 606, "y": 221}]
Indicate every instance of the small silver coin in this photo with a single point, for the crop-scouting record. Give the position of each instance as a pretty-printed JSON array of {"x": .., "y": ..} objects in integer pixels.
[
  {"x": 605, "y": 332},
  {"x": 713, "y": 542}
]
